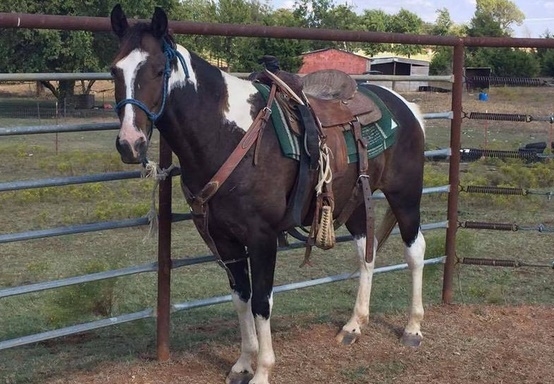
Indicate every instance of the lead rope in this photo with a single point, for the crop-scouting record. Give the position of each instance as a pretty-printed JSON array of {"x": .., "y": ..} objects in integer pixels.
[{"x": 153, "y": 170}]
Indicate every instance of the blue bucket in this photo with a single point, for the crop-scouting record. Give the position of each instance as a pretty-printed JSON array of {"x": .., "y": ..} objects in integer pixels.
[{"x": 483, "y": 96}]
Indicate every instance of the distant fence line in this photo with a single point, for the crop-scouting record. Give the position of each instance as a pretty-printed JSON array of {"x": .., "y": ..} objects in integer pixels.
[{"x": 90, "y": 106}]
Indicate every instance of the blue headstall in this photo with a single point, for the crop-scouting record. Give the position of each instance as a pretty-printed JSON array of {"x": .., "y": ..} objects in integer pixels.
[{"x": 170, "y": 53}]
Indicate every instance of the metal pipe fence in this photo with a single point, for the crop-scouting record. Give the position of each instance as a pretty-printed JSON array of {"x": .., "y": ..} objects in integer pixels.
[
  {"x": 163, "y": 266},
  {"x": 141, "y": 221},
  {"x": 40, "y": 21}
]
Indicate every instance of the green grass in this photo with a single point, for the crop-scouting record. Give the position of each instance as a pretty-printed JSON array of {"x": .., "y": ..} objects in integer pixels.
[{"x": 40, "y": 156}]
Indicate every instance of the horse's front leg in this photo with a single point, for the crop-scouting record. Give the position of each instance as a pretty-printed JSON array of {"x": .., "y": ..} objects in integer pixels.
[
  {"x": 253, "y": 306},
  {"x": 414, "y": 254},
  {"x": 262, "y": 253},
  {"x": 352, "y": 330},
  {"x": 242, "y": 371}
]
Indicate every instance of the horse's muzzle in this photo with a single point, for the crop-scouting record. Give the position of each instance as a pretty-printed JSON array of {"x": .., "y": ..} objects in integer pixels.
[{"x": 134, "y": 153}]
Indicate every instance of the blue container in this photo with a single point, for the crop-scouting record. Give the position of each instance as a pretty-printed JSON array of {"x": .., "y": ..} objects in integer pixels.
[{"x": 483, "y": 96}]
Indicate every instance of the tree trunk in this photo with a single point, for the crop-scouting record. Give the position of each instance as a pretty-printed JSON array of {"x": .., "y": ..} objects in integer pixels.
[{"x": 65, "y": 97}]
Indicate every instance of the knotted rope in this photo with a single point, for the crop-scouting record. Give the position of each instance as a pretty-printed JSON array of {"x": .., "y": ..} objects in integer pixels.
[{"x": 153, "y": 170}]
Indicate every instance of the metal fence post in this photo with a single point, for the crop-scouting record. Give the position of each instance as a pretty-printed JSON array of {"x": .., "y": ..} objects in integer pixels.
[
  {"x": 454, "y": 172},
  {"x": 164, "y": 256}
]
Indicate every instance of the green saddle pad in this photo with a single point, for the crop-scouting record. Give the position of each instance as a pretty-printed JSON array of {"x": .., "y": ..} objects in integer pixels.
[{"x": 380, "y": 135}]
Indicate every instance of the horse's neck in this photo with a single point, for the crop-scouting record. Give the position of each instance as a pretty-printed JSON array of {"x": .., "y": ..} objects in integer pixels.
[{"x": 196, "y": 128}]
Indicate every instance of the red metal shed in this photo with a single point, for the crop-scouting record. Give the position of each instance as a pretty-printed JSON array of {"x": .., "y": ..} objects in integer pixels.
[{"x": 332, "y": 58}]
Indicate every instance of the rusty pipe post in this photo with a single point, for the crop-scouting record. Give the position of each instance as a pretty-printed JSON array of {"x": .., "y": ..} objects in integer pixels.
[
  {"x": 454, "y": 171},
  {"x": 164, "y": 256}
]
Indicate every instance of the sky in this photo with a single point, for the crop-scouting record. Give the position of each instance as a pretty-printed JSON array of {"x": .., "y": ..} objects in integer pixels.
[{"x": 539, "y": 14}]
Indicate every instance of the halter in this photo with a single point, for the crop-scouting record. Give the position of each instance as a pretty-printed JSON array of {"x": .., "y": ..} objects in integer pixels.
[{"x": 170, "y": 53}]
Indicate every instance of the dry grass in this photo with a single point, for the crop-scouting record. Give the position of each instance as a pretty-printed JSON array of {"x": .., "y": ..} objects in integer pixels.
[{"x": 481, "y": 344}]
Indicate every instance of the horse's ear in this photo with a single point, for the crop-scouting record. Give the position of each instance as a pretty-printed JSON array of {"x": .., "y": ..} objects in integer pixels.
[
  {"x": 119, "y": 21},
  {"x": 159, "y": 23}
]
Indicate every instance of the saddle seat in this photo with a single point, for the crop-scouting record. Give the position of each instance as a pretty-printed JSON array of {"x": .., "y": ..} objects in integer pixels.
[
  {"x": 329, "y": 84},
  {"x": 333, "y": 97}
]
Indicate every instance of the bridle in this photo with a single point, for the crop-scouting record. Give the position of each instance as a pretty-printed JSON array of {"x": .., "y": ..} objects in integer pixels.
[{"x": 170, "y": 54}]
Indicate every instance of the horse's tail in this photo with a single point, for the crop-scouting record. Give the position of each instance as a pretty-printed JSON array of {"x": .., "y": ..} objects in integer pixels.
[{"x": 385, "y": 228}]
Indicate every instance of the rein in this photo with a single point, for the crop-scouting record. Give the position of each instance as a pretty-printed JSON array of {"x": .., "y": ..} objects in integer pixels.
[
  {"x": 249, "y": 138},
  {"x": 170, "y": 54}
]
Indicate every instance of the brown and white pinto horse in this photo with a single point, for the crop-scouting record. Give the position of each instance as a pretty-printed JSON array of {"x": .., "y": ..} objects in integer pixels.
[{"x": 203, "y": 113}]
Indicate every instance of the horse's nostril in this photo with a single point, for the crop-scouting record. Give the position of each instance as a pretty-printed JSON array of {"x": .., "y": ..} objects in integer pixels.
[
  {"x": 125, "y": 150},
  {"x": 140, "y": 146}
]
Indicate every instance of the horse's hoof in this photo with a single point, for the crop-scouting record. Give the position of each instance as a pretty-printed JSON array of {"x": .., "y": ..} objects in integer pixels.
[
  {"x": 239, "y": 378},
  {"x": 347, "y": 338},
  {"x": 411, "y": 340}
]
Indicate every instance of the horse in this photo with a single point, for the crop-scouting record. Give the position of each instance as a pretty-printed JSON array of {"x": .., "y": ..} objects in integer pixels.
[{"x": 207, "y": 115}]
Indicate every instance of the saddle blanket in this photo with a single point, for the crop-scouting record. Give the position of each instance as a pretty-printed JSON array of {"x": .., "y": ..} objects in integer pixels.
[{"x": 380, "y": 135}]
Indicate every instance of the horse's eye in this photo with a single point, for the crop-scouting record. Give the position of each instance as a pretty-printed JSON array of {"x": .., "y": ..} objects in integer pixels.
[
  {"x": 160, "y": 73},
  {"x": 113, "y": 71}
]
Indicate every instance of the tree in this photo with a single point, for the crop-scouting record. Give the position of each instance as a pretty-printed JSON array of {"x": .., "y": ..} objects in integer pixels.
[
  {"x": 494, "y": 18},
  {"x": 506, "y": 61},
  {"x": 484, "y": 24},
  {"x": 503, "y": 12},
  {"x": 375, "y": 20},
  {"x": 441, "y": 63},
  {"x": 326, "y": 14},
  {"x": 443, "y": 23},
  {"x": 289, "y": 51},
  {"x": 235, "y": 53},
  {"x": 406, "y": 22},
  {"x": 64, "y": 51}
]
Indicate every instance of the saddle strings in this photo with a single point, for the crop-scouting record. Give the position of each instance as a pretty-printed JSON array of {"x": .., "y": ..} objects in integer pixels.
[{"x": 325, "y": 172}]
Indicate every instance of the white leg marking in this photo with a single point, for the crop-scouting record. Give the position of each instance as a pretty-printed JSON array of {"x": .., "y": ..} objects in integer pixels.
[
  {"x": 266, "y": 356},
  {"x": 239, "y": 108},
  {"x": 249, "y": 343},
  {"x": 130, "y": 65},
  {"x": 414, "y": 256},
  {"x": 360, "y": 315}
]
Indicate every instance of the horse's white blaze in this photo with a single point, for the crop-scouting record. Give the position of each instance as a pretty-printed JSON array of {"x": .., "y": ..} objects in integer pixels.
[
  {"x": 413, "y": 107},
  {"x": 240, "y": 92},
  {"x": 178, "y": 78},
  {"x": 360, "y": 315},
  {"x": 130, "y": 65},
  {"x": 414, "y": 255},
  {"x": 249, "y": 344},
  {"x": 266, "y": 356}
]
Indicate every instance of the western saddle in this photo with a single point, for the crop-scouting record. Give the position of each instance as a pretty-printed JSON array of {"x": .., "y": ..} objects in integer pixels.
[{"x": 319, "y": 109}]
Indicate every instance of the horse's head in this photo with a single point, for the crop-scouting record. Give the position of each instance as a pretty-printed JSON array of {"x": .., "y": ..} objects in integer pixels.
[{"x": 141, "y": 70}]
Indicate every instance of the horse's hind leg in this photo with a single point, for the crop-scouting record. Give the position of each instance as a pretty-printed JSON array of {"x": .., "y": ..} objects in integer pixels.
[
  {"x": 414, "y": 253},
  {"x": 360, "y": 316},
  {"x": 408, "y": 216}
]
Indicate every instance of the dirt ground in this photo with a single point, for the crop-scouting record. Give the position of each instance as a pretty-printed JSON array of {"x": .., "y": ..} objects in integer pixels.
[{"x": 462, "y": 344}]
